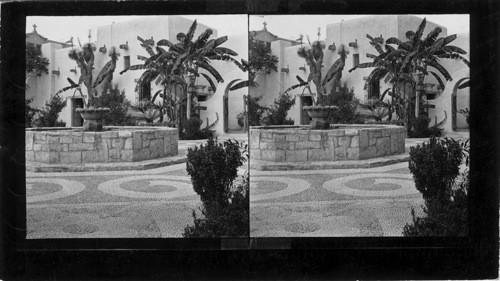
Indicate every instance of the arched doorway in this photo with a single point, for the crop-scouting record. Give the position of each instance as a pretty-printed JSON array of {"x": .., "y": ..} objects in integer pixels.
[
  {"x": 460, "y": 100},
  {"x": 230, "y": 106},
  {"x": 372, "y": 84}
]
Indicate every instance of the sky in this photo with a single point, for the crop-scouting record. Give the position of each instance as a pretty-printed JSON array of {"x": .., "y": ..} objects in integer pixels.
[
  {"x": 291, "y": 26},
  {"x": 286, "y": 26},
  {"x": 63, "y": 28}
]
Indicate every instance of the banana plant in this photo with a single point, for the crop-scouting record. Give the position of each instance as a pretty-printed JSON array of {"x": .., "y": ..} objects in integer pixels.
[
  {"x": 175, "y": 65},
  {"x": 84, "y": 59},
  {"x": 314, "y": 59},
  {"x": 412, "y": 60}
]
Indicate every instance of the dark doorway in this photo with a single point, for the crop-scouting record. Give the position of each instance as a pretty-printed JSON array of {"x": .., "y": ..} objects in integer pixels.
[
  {"x": 304, "y": 116},
  {"x": 76, "y": 120},
  {"x": 145, "y": 91},
  {"x": 226, "y": 114}
]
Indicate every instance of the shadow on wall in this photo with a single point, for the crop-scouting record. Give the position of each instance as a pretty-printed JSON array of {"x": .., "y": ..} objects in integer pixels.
[
  {"x": 215, "y": 104},
  {"x": 444, "y": 101}
]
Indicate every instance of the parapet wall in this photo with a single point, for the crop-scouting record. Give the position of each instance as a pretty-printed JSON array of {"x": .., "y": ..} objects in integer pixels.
[
  {"x": 115, "y": 144},
  {"x": 347, "y": 142}
]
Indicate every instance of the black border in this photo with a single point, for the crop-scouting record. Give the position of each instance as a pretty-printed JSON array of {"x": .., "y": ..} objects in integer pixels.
[{"x": 475, "y": 257}]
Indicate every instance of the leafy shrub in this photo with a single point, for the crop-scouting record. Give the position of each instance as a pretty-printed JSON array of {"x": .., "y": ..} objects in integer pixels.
[
  {"x": 118, "y": 104},
  {"x": 213, "y": 167},
  {"x": 149, "y": 111},
  {"x": 466, "y": 113},
  {"x": 255, "y": 111},
  {"x": 191, "y": 130},
  {"x": 419, "y": 128},
  {"x": 241, "y": 119},
  {"x": 279, "y": 110},
  {"x": 435, "y": 168},
  {"x": 29, "y": 113},
  {"x": 375, "y": 109},
  {"x": 343, "y": 97},
  {"x": 47, "y": 116}
]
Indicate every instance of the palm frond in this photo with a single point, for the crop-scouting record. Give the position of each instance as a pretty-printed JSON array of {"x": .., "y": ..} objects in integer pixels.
[
  {"x": 190, "y": 34},
  {"x": 419, "y": 32},
  {"x": 441, "y": 69},
  {"x": 438, "y": 79},
  {"x": 212, "y": 84},
  {"x": 211, "y": 70},
  {"x": 240, "y": 85}
]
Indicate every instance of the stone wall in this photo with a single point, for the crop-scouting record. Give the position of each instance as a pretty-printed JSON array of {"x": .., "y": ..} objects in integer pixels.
[
  {"x": 121, "y": 144},
  {"x": 300, "y": 144}
]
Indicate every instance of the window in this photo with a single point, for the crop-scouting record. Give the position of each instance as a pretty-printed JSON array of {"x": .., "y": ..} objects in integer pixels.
[
  {"x": 374, "y": 89},
  {"x": 355, "y": 60},
  {"x": 126, "y": 61}
]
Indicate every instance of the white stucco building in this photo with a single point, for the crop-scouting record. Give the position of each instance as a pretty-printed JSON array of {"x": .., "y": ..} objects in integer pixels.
[
  {"x": 123, "y": 36},
  {"x": 353, "y": 33}
]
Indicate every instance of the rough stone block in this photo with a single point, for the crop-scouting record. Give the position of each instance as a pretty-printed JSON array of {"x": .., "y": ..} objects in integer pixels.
[
  {"x": 148, "y": 136},
  {"x": 136, "y": 140},
  {"x": 314, "y": 154},
  {"x": 316, "y": 136},
  {"x": 117, "y": 143},
  {"x": 363, "y": 139},
  {"x": 40, "y": 147},
  {"x": 56, "y": 147},
  {"x": 290, "y": 138},
  {"x": 159, "y": 134},
  {"x": 125, "y": 134},
  {"x": 110, "y": 134},
  {"x": 268, "y": 155},
  {"x": 340, "y": 153},
  {"x": 351, "y": 132},
  {"x": 264, "y": 145},
  {"x": 126, "y": 155},
  {"x": 307, "y": 144},
  {"x": 141, "y": 154},
  {"x": 254, "y": 139},
  {"x": 355, "y": 141},
  {"x": 344, "y": 141},
  {"x": 336, "y": 133},
  {"x": 284, "y": 145},
  {"x": 303, "y": 137},
  {"x": 30, "y": 156},
  {"x": 372, "y": 142},
  {"x": 156, "y": 148},
  {"x": 81, "y": 146},
  {"x": 394, "y": 143},
  {"x": 70, "y": 157},
  {"x": 266, "y": 135},
  {"x": 66, "y": 139},
  {"x": 40, "y": 137},
  {"x": 255, "y": 154},
  {"x": 128, "y": 143},
  {"x": 280, "y": 156},
  {"x": 29, "y": 141},
  {"x": 353, "y": 153},
  {"x": 327, "y": 154},
  {"x": 296, "y": 155},
  {"x": 88, "y": 138},
  {"x": 47, "y": 157},
  {"x": 279, "y": 137},
  {"x": 114, "y": 155}
]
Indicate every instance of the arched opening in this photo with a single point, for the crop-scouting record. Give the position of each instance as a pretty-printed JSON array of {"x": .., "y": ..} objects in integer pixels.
[
  {"x": 232, "y": 105},
  {"x": 460, "y": 100},
  {"x": 372, "y": 84}
]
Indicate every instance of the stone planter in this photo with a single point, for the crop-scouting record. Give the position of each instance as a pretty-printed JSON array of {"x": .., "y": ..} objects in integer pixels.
[
  {"x": 319, "y": 115},
  {"x": 92, "y": 117}
]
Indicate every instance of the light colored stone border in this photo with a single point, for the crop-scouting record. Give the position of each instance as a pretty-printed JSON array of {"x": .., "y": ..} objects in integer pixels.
[
  {"x": 293, "y": 186},
  {"x": 405, "y": 181},
  {"x": 182, "y": 189},
  {"x": 69, "y": 187}
]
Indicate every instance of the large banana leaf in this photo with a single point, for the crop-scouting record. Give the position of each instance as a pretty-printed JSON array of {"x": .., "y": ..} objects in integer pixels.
[
  {"x": 431, "y": 37},
  {"x": 438, "y": 79},
  {"x": 212, "y": 84},
  {"x": 441, "y": 69},
  {"x": 419, "y": 32},
  {"x": 106, "y": 71},
  {"x": 211, "y": 70},
  {"x": 189, "y": 35},
  {"x": 133, "y": 67},
  {"x": 449, "y": 39},
  {"x": 454, "y": 49},
  {"x": 219, "y": 41},
  {"x": 164, "y": 42},
  {"x": 337, "y": 67},
  {"x": 146, "y": 46},
  {"x": 454, "y": 56},
  {"x": 202, "y": 39},
  {"x": 240, "y": 85}
]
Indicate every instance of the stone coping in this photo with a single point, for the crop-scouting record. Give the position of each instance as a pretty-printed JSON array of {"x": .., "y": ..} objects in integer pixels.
[
  {"x": 281, "y": 128},
  {"x": 113, "y": 128},
  {"x": 38, "y": 167}
]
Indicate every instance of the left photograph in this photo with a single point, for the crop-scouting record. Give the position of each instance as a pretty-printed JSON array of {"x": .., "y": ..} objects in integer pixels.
[{"x": 136, "y": 126}]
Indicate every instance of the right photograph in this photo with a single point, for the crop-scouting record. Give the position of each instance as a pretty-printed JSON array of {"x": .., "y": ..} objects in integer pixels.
[{"x": 358, "y": 125}]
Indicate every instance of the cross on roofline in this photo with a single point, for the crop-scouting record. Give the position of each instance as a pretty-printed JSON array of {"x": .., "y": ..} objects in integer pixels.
[
  {"x": 34, "y": 27},
  {"x": 265, "y": 25}
]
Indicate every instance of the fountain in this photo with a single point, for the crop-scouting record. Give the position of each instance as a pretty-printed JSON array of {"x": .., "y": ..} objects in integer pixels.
[
  {"x": 112, "y": 144},
  {"x": 293, "y": 144}
]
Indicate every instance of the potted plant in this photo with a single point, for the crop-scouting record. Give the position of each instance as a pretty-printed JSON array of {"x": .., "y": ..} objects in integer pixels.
[
  {"x": 84, "y": 59},
  {"x": 320, "y": 110}
]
